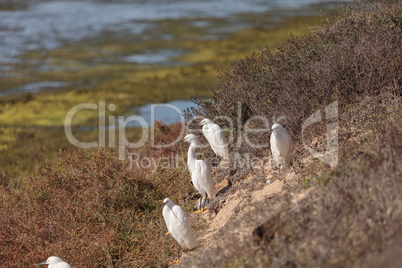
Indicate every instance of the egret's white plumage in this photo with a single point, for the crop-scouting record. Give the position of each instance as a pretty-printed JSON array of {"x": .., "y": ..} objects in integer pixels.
[
  {"x": 281, "y": 145},
  {"x": 178, "y": 225},
  {"x": 200, "y": 173},
  {"x": 55, "y": 262},
  {"x": 216, "y": 138}
]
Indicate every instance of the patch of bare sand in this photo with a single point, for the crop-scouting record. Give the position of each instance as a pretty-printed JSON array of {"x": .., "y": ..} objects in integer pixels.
[
  {"x": 291, "y": 178},
  {"x": 232, "y": 202},
  {"x": 219, "y": 220},
  {"x": 249, "y": 178},
  {"x": 221, "y": 185},
  {"x": 225, "y": 213},
  {"x": 239, "y": 204},
  {"x": 268, "y": 190}
]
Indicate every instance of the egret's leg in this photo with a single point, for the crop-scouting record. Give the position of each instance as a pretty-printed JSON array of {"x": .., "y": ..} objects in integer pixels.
[
  {"x": 178, "y": 257},
  {"x": 219, "y": 160},
  {"x": 282, "y": 165},
  {"x": 178, "y": 252},
  {"x": 215, "y": 164},
  {"x": 200, "y": 209},
  {"x": 205, "y": 201}
]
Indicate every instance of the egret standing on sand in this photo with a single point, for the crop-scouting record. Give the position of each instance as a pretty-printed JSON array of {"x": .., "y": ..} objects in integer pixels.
[
  {"x": 178, "y": 225},
  {"x": 55, "y": 262},
  {"x": 216, "y": 138},
  {"x": 200, "y": 173},
  {"x": 281, "y": 145}
]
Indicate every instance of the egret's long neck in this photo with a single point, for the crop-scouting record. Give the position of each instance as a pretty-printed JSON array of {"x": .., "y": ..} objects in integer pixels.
[
  {"x": 278, "y": 133},
  {"x": 191, "y": 157},
  {"x": 206, "y": 127}
]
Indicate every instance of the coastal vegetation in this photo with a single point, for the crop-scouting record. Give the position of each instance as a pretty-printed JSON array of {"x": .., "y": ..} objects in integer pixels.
[
  {"x": 94, "y": 210},
  {"x": 31, "y": 130}
]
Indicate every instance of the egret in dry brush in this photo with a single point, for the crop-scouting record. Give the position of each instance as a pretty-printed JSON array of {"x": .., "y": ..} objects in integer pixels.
[
  {"x": 178, "y": 225},
  {"x": 281, "y": 145},
  {"x": 216, "y": 138},
  {"x": 200, "y": 173},
  {"x": 55, "y": 262}
]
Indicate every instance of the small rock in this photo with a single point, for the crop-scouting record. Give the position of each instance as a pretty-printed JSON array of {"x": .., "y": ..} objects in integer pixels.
[{"x": 268, "y": 181}]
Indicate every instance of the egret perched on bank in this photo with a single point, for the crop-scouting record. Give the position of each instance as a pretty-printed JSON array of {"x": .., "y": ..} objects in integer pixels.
[
  {"x": 200, "y": 173},
  {"x": 55, "y": 262},
  {"x": 281, "y": 145},
  {"x": 178, "y": 225},
  {"x": 216, "y": 138}
]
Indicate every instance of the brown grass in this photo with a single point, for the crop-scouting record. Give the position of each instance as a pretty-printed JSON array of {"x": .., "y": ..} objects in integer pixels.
[{"x": 93, "y": 210}]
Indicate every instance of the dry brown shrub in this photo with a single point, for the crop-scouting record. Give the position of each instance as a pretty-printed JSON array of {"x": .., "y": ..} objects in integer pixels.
[
  {"x": 348, "y": 59},
  {"x": 93, "y": 210}
]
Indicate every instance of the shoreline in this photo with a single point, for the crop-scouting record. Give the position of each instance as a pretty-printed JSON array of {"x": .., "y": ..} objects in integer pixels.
[{"x": 124, "y": 85}]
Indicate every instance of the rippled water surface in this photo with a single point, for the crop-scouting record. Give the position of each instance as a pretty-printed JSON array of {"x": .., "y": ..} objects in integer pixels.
[
  {"x": 33, "y": 25},
  {"x": 168, "y": 113},
  {"x": 40, "y": 37}
]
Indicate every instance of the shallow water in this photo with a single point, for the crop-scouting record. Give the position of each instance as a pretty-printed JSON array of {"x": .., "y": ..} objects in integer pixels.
[
  {"x": 168, "y": 113},
  {"x": 34, "y": 87},
  {"x": 161, "y": 56},
  {"x": 42, "y": 25},
  {"x": 32, "y": 31}
]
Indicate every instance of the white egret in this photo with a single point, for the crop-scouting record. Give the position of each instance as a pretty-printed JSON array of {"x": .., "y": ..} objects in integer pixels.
[
  {"x": 216, "y": 138},
  {"x": 281, "y": 145},
  {"x": 178, "y": 225},
  {"x": 200, "y": 173},
  {"x": 55, "y": 262}
]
